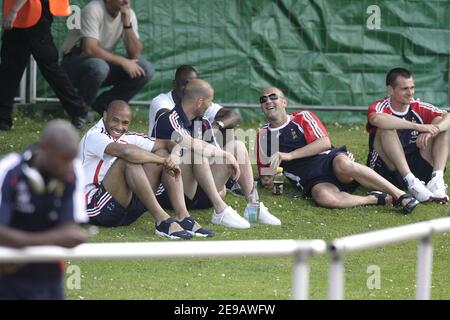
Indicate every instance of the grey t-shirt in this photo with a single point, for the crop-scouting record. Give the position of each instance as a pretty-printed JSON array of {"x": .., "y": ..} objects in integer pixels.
[{"x": 97, "y": 23}]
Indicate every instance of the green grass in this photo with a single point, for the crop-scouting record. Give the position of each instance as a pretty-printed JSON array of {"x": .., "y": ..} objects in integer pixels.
[{"x": 260, "y": 278}]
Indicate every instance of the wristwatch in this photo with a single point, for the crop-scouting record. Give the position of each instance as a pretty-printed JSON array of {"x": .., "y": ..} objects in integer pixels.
[
  {"x": 220, "y": 124},
  {"x": 128, "y": 27}
]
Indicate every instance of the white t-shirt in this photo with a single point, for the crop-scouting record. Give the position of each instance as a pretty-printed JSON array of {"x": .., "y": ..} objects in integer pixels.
[
  {"x": 165, "y": 101},
  {"x": 95, "y": 162},
  {"x": 162, "y": 101},
  {"x": 97, "y": 23}
]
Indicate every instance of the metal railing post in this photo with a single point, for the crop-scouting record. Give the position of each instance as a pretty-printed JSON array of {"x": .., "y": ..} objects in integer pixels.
[
  {"x": 424, "y": 269},
  {"x": 23, "y": 88},
  {"x": 33, "y": 80},
  {"x": 300, "y": 286},
  {"x": 336, "y": 276}
]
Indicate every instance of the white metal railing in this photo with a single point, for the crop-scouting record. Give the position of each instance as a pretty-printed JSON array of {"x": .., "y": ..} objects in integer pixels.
[
  {"x": 302, "y": 250},
  {"x": 419, "y": 231}
]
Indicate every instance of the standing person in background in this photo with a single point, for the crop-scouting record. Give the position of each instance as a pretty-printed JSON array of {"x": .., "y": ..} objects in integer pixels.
[
  {"x": 27, "y": 30},
  {"x": 89, "y": 59},
  {"x": 41, "y": 203}
]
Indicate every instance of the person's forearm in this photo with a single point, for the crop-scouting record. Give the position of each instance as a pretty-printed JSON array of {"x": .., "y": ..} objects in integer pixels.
[
  {"x": 229, "y": 119},
  {"x": 132, "y": 43},
  {"x": 133, "y": 154},
  {"x": 444, "y": 122},
  {"x": 202, "y": 148},
  {"x": 14, "y": 238},
  {"x": 387, "y": 121},
  {"x": 95, "y": 51},
  {"x": 311, "y": 149}
]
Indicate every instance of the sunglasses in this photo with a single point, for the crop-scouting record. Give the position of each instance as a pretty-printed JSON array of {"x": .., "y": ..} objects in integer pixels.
[{"x": 272, "y": 97}]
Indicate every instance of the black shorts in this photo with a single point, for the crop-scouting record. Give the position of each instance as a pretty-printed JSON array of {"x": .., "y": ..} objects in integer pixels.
[
  {"x": 308, "y": 172},
  {"x": 418, "y": 166},
  {"x": 200, "y": 200},
  {"x": 105, "y": 211},
  {"x": 12, "y": 288}
]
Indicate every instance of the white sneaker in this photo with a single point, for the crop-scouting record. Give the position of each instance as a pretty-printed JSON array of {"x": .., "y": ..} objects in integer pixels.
[
  {"x": 266, "y": 217},
  {"x": 439, "y": 189},
  {"x": 420, "y": 191},
  {"x": 230, "y": 218}
]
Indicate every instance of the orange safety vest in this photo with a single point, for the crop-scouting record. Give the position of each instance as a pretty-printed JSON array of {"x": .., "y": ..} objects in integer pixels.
[{"x": 31, "y": 11}]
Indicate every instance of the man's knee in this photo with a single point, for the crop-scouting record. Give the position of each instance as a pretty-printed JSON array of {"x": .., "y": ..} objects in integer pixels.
[
  {"x": 148, "y": 68},
  {"x": 324, "y": 198},
  {"x": 162, "y": 153},
  {"x": 98, "y": 70},
  {"x": 344, "y": 166},
  {"x": 384, "y": 134}
]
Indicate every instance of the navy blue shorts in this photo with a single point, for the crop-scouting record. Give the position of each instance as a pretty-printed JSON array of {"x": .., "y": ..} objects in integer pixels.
[
  {"x": 105, "y": 211},
  {"x": 12, "y": 288},
  {"x": 308, "y": 172},
  {"x": 200, "y": 200},
  {"x": 418, "y": 166}
]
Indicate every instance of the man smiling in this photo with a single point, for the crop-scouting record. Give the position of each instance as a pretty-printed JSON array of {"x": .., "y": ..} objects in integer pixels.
[
  {"x": 122, "y": 175},
  {"x": 299, "y": 142},
  {"x": 408, "y": 141}
]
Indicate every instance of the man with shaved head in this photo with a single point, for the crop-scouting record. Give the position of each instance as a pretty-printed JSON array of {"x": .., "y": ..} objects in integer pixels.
[
  {"x": 123, "y": 175},
  {"x": 205, "y": 167},
  {"x": 300, "y": 143},
  {"x": 41, "y": 203}
]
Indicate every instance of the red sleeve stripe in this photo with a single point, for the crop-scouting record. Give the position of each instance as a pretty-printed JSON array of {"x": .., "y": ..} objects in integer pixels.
[
  {"x": 429, "y": 107},
  {"x": 97, "y": 171},
  {"x": 130, "y": 133},
  {"x": 313, "y": 123}
]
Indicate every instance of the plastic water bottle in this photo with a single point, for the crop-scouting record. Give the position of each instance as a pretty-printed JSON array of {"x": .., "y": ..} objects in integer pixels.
[
  {"x": 278, "y": 182},
  {"x": 251, "y": 213}
]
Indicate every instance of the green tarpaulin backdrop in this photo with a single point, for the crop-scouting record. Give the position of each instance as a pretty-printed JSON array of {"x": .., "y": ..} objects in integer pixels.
[{"x": 318, "y": 52}]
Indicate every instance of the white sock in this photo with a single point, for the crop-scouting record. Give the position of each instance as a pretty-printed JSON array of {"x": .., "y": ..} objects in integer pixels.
[
  {"x": 437, "y": 174},
  {"x": 409, "y": 178}
]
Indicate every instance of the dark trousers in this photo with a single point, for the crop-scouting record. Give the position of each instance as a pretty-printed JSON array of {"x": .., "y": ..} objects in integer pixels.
[{"x": 17, "y": 45}]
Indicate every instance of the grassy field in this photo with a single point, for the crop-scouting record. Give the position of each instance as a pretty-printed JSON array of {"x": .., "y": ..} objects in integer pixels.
[{"x": 260, "y": 278}]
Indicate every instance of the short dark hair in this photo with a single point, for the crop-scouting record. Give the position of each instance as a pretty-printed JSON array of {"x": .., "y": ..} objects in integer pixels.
[
  {"x": 392, "y": 75},
  {"x": 183, "y": 69}
]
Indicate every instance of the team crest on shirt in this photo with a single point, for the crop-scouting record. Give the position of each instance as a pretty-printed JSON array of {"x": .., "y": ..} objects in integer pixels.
[
  {"x": 23, "y": 198},
  {"x": 294, "y": 134}
]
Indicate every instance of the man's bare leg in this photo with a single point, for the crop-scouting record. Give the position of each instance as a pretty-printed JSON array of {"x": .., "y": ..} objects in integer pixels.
[
  {"x": 329, "y": 196},
  {"x": 388, "y": 146},
  {"x": 125, "y": 178}
]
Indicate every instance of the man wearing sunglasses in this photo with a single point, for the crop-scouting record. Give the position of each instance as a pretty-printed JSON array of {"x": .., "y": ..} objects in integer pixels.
[{"x": 300, "y": 143}]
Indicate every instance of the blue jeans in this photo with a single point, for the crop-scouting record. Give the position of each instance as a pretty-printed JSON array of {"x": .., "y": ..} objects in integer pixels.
[{"x": 90, "y": 74}]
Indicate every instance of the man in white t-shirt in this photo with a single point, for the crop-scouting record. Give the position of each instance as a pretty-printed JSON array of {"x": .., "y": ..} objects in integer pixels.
[
  {"x": 89, "y": 60},
  {"x": 122, "y": 173}
]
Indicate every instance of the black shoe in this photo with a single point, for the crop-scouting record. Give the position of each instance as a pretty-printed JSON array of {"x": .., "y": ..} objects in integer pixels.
[
  {"x": 4, "y": 126},
  {"x": 410, "y": 206},
  {"x": 162, "y": 230},
  {"x": 188, "y": 224},
  {"x": 80, "y": 121}
]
